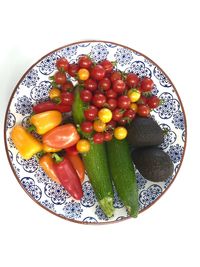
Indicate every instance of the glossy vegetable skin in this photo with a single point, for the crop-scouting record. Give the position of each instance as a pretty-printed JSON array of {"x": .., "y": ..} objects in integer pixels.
[
  {"x": 49, "y": 105},
  {"x": 26, "y": 144},
  {"x": 46, "y": 121},
  {"x": 68, "y": 177},
  {"x": 78, "y": 165},
  {"x": 47, "y": 164},
  {"x": 62, "y": 136}
]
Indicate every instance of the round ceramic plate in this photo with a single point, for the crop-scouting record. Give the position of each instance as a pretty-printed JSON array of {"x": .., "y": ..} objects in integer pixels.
[{"x": 34, "y": 87}]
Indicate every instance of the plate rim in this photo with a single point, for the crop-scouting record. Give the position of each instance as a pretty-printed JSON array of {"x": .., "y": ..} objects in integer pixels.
[{"x": 8, "y": 107}]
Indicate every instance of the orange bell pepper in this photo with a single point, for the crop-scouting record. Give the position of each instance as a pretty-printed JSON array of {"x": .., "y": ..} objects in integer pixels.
[
  {"x": 46, "y": 121},
  {"x": 78, "y": 165},
  {"x": 50, "y": 149},
  {"x": 26, "y": 144},
  {"x": 62, "y": 136},
  {"x": 47, "y": 164}
]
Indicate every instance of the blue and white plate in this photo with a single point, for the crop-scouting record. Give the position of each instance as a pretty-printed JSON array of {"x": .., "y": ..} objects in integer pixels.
[{"x": 34, "y": 87}]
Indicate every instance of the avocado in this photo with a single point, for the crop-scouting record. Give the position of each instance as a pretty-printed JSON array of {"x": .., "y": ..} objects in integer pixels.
[
  {"x": 153, "y": 163},
  {"x": 144, "y": 132}
]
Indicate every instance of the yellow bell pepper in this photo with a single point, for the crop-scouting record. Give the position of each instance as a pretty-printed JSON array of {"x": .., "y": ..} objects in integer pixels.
[
  {"x": 50, "y": 149},
  {"x": 45, "y": 121},
  {"x": 26, "y": 144}
]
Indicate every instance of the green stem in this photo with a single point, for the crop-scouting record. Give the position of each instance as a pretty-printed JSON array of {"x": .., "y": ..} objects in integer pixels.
[
  {"x": 31, "y": 128},
  {"x": 57, "y": 158}
]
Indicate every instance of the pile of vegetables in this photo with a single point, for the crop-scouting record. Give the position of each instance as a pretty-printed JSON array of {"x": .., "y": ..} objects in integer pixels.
[{"x": 100, "y": 107}]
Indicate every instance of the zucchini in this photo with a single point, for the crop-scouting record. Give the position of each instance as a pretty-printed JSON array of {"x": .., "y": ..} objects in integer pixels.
[
  {"x": 123, "y": 174},
  {"x": 96, "y": 163}
]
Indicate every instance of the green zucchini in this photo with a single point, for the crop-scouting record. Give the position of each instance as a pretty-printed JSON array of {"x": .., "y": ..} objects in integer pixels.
[
  {"x": 123, "y": 174},
  {"x": 96, "y": 163}
]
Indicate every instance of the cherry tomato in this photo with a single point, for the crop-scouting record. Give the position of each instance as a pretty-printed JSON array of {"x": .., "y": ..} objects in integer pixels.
[
  {"x": 120, "y": 133},
  {"x": 129, "y": 114},
  {"x": 86, "y": 95},
  {"x": 142, "y": 100},
  {"x": 83, "y": 146},
  {"x": 123, "y": 102},
  {"x": 87, "y": 126},
  {"x": 72, "y": 150},
  {"x": 117, "y": 114},
  {"x": 111, "y": 94},
  {"x": 85, "y": 62},
  {"x": 132, "y": 80},
  {"x": 98, "y": 72},
  {"x": 83, "y": 74},
  {"x": 91, "y": 113},
  {"x": 98, "y": 138},
  {"x": 134, "y": 95},
  {"x": 105, "y": 115},
  {"x": 73, "y": 69},
  {"x": 147, "y": 84},
  {"x": 119, "y": 86},
  {"x": 68, "y": 86},
  {"x": 62, "y": 64},
  {"x": 104, "y": 84},
  {"x": 67, "y": 98},
  {"x": 54, "y": 92},
  {"x": 153, "y": 102},
  {"x": 90, "y": 84},
  {"x": 60, "y": 77},
  {"x": 111, "y": 125},
  {"x": 111, "y": 103},
  {"x": 134, "y": 107},
  {"x": 99, "y": 100},
  {"x": 116, "y": 75},
  {"x": 107, "y": 65},
  {"x": 143, "y": 110},
  {"x": 99, "y": 126},
  {"x": 108, "y": 136},
  {"x": 123, "y": 121}
]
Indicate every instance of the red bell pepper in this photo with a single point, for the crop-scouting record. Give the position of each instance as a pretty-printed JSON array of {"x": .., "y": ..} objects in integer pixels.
[
  {"x": 48, "y": 105},
  {"x": 68, "y": 176}
]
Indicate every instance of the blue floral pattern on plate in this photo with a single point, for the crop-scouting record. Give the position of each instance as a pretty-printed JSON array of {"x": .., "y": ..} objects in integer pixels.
[{"x": 34, "y": 87}]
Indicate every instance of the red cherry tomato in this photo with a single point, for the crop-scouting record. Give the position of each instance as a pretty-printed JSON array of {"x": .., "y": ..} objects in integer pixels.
[
  {"x": 85, "y": 62},
  {"x": 98, "y": 138},
  {"x": 108, "y": 136},
  {"x": 60, "y": 77},
  {"x": 98, "y": 72},
  {"x": 67, "y": 98},
  {"x": 86, "y": 95},
  {"x": 117, "y": 114},
  {"x": 68, "y": 86},
  {"x": 147, "y": 84},
  {"x": 116, "y": 75},
  {"x": 111, "y": 125},
  {"x": 107, "y": 65},
  {"x": 129, "y": 114},
  {"x": 111, "y": 94},
  {"x": 72, "y": 150},
  {"x": 111, "y": 103},
  {"x": 123, "y": 121},
  {"x": 153, "y": 102},
  {"x": 91, "y": 113},
  {"x": 119, "y": 86},
  {"x": 143, "y": 110},
  {"x": 104, "y": 84},
  {"x": 87, "y": 126},
  {"x": 99, "y": 100},
  {"x": 90, "y": 84},
  {"x": 132, "y": 80},
  {"x": 123, "y": 102},
  {"x": 73, "y": 69},
  {"x": 142, "y": 100},
  {"x": 62, "y": 64}
]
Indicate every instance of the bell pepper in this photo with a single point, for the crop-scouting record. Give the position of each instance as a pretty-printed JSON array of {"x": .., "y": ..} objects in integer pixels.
[
  {"x": 62, "y": 136},
  {"x": 50, "y": 149},
  {"x": 47, "y": 164},
  {"x": 67, "y": 176},
  {"x": 26, "y": 144},
  {"x": 45, "y": 121},
  {"x": 78, "y": 165},
  {"x": 49, "y": 105}
]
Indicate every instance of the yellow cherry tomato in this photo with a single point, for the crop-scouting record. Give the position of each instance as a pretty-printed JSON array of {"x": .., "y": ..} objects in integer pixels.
[
  {"x": 134, "y": 95},
  {"x": 120, "y": 133},
  {"x": 134, "y": 107},
  {"x": 54, "y": 92},
  {"x": 83, "y": 146},
  {"x": 105, "y": 115},
  {"x": 99, "y": 126},
  {"x": 83, "y": 74}
]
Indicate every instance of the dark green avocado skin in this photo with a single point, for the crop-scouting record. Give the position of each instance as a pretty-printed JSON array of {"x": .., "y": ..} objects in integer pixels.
[
  {"x": 144, "y": 132},
  {"x": 153, "y": 163}
]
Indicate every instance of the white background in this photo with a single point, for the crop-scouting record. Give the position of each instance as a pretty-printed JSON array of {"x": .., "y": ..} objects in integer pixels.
[{"x": 168, "y": 233}]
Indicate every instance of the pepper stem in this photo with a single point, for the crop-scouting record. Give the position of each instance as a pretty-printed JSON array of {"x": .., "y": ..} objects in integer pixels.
[
  {"x": 57, "y": 157},
  {"x": 31, "y": 128}
]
